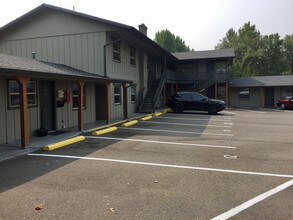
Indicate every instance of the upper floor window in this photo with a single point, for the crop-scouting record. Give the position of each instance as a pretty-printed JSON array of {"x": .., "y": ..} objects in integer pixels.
[
  {"x": 75, "y": 97},
  {"x": 116, "y": 50},
  {"x": 221, "y": 67},
  {"x": 202, "y": 67},
  {"x": 117, "y": 94},
  {"x": 14, "y": 93},
  {"x": 132, "y": 54}
]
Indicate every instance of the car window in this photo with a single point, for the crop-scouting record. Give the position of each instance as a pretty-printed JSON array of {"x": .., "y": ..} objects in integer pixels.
[
  {"x": 186, "y": 96},
  {"x": 197, "y": 97}
]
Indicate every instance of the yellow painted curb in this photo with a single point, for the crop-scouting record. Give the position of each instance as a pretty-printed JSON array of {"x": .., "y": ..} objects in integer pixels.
[
  {"x": 158, "y": 113},
  {"x": 126, "y": 124},
  {"x": 104, "y": 131},
  {"x": 146, "y": 118},
  {"x": 63, "y": 143}
]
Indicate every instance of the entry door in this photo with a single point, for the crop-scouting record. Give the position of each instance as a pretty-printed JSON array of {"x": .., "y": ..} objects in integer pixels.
[
  {"x": 47, "y": 105},
  {"x": 269, "y": 97}
]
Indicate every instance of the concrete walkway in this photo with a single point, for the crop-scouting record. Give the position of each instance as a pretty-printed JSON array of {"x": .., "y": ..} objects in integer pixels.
[{"x": 12, "y": 150}]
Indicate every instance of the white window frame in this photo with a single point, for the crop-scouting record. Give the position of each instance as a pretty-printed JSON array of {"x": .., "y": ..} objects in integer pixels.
[
  {"x": 116, "y": 50},
  {"x": 75, "y": 96},
  {"x": 132, "y": 54},
  {"x": 133, "y": 94},
  {"x": 117, "y": 94},
  {"x": 17, "y": 93}
]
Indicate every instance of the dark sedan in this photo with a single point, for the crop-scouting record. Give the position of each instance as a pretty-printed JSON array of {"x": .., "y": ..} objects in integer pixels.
[{"x": 181, "y": 101}]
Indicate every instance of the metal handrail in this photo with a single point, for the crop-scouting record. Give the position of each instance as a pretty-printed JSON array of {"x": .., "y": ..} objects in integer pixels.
[{"x": 159, "y": 89}]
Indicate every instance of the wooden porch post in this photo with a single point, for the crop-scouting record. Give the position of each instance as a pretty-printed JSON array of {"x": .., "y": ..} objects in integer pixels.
[
  {"x": 172, "y": 89},
  {"x": 124, "y": 100},
  {"x": 22, "y": 81},
  {"x": 164, "y": 95},
  {"x": 216, "y": 90},
  {"x": 262, "y": 97},
  {"x": 227, "y": 94},
  {"x": 80, "y": 104},
  {"x": 107, "y": 113}
]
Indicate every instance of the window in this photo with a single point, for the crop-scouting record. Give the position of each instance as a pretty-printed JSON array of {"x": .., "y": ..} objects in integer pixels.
[
  {"x": 14, "y": 92},
  {"x": 197, "y": 97},
  {"x": 75, "y": 97},
  {"x": 133, "y": 94},
  {"x": 244, "y": 94},
  {"x": 132, "y": 54},
  {"x": 221, "y": 67},
  {"x": 116, "y": 50},
  {"x": 117, "y": 94}
]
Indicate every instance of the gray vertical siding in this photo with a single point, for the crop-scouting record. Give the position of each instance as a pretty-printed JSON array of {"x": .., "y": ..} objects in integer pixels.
[
  {"x": 3, "y": 111},
  {"x": 253, "y": 102},
  {"x": 81, "y": 51},
  {"x": 10, "y": 118}
]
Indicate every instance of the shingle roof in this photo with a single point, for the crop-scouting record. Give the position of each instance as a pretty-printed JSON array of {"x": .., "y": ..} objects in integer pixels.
[
  {"x": 205, "y": 54},
  {"x": 14, "y": 64},
  {"x": 259, "y": 81}
]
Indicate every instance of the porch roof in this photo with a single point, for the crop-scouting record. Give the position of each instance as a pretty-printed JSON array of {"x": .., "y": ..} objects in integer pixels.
[
  {"x": 14, "y": 65},
  {"x": 262, "y": 81},
  {"x": 205, "y": 54}
]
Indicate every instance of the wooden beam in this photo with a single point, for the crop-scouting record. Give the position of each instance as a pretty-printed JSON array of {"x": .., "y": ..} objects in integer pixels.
[
  {"x": 227, "y": 94},
  {"x": 80, "y": 104},
  {"x": 107, "y": 113},
  {"x": 172, "y": 89},
  {"x": 216, "y": 90},
  {"x": 164, "y": 95},
  {"x": 124, "y": 100},
  {"x": 262, "y": 97},
  {"x": 22, "y": 81}
]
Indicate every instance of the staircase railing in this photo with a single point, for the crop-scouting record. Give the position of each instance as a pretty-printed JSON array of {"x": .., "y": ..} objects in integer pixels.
[
  {"x": 200, "y": 86},
  {"x": 159, "y": 89}
]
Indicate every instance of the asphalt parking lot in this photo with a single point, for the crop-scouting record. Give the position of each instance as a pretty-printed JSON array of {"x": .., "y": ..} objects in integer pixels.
[{"x": 237, "y": 164}]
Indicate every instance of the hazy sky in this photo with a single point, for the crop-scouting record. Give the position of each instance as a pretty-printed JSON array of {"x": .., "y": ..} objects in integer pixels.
[{"x": 200, "y": 23}]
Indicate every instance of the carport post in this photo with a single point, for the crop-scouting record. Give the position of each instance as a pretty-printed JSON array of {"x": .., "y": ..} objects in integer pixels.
[
  {"x": 172, "y": 89},
  {"x": 107, "y": 114},
  {"x": 22, "y": 81},
  {"x": 262, "y": 97},
  {"x": 164, "y": 94},
  {"x": 124, "y": 100},
  {"x": 227, "y": 94},
  {"x": 80, "y": 104},
  {"x": 216, "y": 90}
]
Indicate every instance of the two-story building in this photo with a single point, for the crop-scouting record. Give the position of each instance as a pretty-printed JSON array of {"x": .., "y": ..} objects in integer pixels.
[{"x": 61, "y": 69}]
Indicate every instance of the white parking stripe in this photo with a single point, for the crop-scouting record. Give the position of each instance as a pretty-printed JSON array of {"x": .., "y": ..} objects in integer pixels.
[
  {"x": 179, "y": 132},
  {"x": 161, "y": 142},
  {"x": 253, "y": 201},
  {"x": 163, "y": 165},
  {"x": 195, "y": 125},
  {"x": 196, "y": 119}
]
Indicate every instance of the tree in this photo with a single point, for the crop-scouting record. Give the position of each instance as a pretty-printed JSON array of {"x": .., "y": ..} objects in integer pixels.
[
  {"x": 288, "y": 51},
  {"x": 170, "y": 42},
  {"x": 256, "y": 55}
]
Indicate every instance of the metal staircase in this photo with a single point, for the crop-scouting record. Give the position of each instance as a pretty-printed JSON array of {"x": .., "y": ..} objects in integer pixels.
[
  {"x": 200, "y": 86},
  {"x": 153, "y": 93}
]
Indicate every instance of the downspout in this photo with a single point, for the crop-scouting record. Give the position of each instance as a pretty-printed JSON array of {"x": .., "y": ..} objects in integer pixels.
[{"x": 105, "y": 59}]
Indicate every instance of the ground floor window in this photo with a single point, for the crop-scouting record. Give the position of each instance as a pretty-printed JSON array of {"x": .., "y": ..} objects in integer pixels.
[
  {"x": 133, "y": 94},
  {"x": 75, "y": 97},
  {"x": 117, "y": 94},
  {"x": 14, "y": 93},
  {"x": 244, "y": 93}
]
